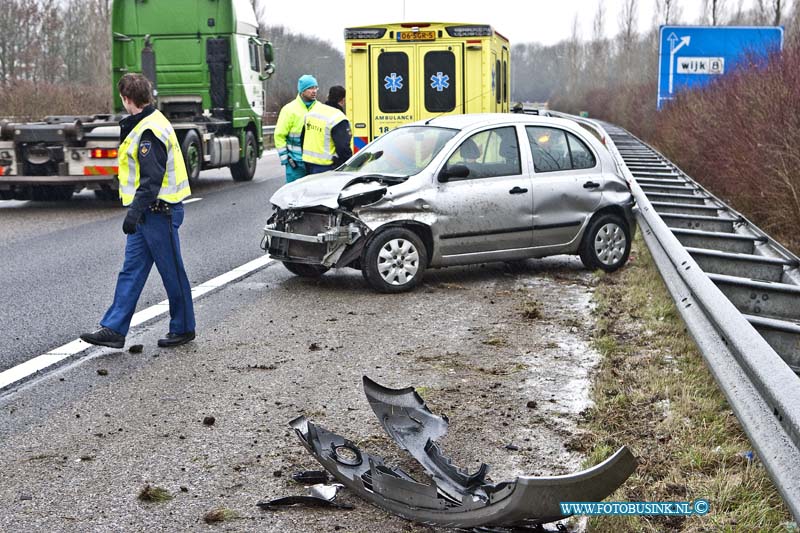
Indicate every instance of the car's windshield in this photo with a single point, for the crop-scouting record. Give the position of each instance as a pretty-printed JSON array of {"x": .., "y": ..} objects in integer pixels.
[{"x": 401, "y": 152}]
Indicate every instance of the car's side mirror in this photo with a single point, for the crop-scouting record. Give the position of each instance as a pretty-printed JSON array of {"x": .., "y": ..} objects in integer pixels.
[{"x": 456, "y": 171}]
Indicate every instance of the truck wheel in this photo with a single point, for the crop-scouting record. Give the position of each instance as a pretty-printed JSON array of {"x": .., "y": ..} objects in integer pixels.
[
  {"x": 245, "y": 169},
  {"x": 394, "y": 260},
  {"x": 192, "y": 155},
  {"x": 305, "y": 270}
]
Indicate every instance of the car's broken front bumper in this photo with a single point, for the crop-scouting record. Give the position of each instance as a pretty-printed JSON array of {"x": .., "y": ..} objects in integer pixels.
[
  {"x": 454, "y": 497},
  {"x": 311, "y": 237}
]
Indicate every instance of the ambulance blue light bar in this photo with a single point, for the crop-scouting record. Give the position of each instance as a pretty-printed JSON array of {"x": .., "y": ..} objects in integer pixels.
[
  {"x": 364, "y": 33},
  {"x": 469, "y": 31}
]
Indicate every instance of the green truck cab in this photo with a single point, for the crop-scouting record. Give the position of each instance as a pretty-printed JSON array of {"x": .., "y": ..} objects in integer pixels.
[{"x": 207, "y": 64}]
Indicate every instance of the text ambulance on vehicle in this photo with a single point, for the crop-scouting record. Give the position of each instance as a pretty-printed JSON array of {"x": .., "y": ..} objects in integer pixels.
[{"x": 399, "y": 73}]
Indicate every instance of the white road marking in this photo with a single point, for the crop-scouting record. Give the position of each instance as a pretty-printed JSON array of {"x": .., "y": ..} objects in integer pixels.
[
  {"x": 38, "y": 363},
  {"x": 190, "y": 200}
]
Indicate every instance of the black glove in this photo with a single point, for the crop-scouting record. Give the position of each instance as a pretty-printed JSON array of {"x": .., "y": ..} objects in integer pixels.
[
  {"x": 292, "y": 163},
  {"x": 131, "y": 219}
]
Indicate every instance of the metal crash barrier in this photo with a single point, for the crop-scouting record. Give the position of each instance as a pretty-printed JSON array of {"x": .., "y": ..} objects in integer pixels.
[{"x": 742, "y": 310}]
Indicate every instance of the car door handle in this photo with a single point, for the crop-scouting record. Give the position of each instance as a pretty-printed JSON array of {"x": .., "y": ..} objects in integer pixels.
[
  {"x": 518, "y": 190},
  {"x": 590, "y": 185}
]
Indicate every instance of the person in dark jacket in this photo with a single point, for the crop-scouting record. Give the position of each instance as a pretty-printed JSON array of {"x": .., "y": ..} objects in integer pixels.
[
  {"x": 336, "y": 96},
  {"x": 152, "y": 184},
  {"x": 326, "y": 137}
]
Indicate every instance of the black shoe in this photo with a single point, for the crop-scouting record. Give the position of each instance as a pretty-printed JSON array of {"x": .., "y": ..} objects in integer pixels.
[
  {"x": 104, "y": 337},
  {"x": 176, "y": 339}
]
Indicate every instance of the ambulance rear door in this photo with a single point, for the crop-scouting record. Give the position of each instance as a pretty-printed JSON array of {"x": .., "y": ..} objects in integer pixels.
[
  {"x": 414, "y": 82},
  {"x": 442, "y": 80}
]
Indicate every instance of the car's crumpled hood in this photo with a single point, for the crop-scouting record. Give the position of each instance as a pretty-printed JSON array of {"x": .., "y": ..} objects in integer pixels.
[{"x": 325, "y": 189}]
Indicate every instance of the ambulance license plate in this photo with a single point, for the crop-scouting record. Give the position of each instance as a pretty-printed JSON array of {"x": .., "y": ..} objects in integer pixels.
[{"x": 416, "y": 36}]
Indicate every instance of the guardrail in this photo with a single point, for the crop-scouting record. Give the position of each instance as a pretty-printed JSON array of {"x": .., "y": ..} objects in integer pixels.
[
  {"x": 760, "y": 385},
  {"x": 269, "y": 136}
]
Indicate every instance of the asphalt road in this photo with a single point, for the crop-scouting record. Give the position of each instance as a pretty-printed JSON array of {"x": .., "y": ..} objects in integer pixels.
[{"x": 59, "y": 260}]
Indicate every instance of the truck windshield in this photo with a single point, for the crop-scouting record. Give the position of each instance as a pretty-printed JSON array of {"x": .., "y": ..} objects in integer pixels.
[{"x": 400, "y": 152}]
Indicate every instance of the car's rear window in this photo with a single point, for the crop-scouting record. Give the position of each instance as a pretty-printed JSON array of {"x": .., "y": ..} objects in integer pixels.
[{"x": 555, "y": 149}]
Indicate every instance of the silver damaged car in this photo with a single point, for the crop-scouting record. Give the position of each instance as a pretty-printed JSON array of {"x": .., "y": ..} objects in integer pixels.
[{"x": 457, "y": 190}]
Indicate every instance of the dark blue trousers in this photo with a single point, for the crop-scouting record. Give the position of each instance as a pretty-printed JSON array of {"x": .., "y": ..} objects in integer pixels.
[
  {"x": 155, "y": 241},
  {"x": 313, "y": 168}
]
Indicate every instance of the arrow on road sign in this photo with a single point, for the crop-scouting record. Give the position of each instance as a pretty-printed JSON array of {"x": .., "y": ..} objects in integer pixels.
[{"x": 673, "y": 49}]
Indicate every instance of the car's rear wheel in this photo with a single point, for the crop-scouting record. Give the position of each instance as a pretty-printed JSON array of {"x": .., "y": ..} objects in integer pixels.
[
  {"x": 606, "y": 244},
  {"x": 394, "y": 260},
  {"x": 305, "y": 270}
]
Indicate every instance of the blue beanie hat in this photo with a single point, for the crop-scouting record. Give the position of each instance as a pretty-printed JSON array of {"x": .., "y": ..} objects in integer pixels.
[{"x": 306, "y": 81}]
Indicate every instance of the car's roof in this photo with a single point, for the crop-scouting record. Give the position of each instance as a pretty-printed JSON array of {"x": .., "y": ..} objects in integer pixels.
[{"x": 472, "y": 120}]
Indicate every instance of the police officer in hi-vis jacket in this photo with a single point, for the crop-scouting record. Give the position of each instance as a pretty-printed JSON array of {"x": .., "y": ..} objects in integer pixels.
[{"x": 152, "y": 184}]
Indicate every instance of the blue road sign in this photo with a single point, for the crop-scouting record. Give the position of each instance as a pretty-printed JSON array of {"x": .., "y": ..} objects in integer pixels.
[{"x": 692, "y": 56}]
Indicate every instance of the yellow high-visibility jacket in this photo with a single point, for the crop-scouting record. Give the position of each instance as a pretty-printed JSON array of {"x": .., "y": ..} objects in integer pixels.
[
  {"x": 175, "y": 183},
  {"x": 289, "y": 128},
  {"x": 318, "y": 146}
]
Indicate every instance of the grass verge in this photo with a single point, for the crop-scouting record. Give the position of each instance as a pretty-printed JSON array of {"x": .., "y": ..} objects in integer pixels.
[{"x": 654, "y": 393}]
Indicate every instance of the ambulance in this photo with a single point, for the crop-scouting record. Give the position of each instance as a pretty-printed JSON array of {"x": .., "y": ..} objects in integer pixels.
[{"x": 402, "y": 72}]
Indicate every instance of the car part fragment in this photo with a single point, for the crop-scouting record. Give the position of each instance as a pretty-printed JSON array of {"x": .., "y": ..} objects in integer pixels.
[
  {"x": 319, "y": 495},
  {"x": 311, "y": 477},
  {"x": 454, "y": 498}
]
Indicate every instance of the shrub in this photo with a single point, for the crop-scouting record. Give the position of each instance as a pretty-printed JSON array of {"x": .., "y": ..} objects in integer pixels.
[
  {"x": 27, "y": 100},
  {"x": 738, "y": 137}
]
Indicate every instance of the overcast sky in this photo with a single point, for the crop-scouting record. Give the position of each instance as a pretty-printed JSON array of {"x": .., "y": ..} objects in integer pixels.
[{"x": 543, "y": 21}]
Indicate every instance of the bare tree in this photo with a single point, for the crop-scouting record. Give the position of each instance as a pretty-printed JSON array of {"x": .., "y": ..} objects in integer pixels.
[
  {"x": 667, "y": 12},
  {"x": 574, "y": 56},
  {"x": 50, "y": 63},
  {"x": 769, "y": 11},
  {"x": 9, "y": 30},
  {"x": 100, "y": 35},
  {"x": 627, "y": 19},
  {"x": 599, "y": 49},
  {"x": 713, "y": 12},
  {"x": 793, "y": 24},
  {"x": 298, "y": 54},
  {"x": 628, "y": 16},
  {"x": 777, "y": 12}
]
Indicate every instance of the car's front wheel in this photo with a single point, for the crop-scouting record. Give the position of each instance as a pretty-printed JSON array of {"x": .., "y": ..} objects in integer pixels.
[
  {"x": 394, "y": 260},
  {"x": 606, "y": 244},
  {"x": 305, "y": 270}
]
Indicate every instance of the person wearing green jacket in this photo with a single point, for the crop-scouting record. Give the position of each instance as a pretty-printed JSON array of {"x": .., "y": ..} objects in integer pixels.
[{"x": 290, "y": 126}]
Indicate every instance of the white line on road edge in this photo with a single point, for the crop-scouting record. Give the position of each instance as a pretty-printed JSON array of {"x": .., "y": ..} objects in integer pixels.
[
  {"x": 38, "y": 363},
  {"x": 190, "y": 200}
]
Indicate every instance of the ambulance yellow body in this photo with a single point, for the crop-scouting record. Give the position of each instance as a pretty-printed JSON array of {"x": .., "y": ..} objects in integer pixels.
[{"x": 400, "y": 73}]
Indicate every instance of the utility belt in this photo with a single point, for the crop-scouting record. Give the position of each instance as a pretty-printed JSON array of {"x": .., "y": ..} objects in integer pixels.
[{"x": 160, "y": 207}]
